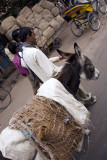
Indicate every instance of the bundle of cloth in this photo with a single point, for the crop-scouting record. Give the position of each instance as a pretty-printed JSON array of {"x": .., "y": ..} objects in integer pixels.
[{"x": 52, "y": 126}]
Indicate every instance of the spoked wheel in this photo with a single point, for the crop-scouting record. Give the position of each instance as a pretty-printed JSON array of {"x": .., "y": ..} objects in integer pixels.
[
  {"x": 102, "y": 6},
  {"x": 76, "y": 28},
  {"x": 93, "y": 21},
  {"x": 5, "y": 98}
]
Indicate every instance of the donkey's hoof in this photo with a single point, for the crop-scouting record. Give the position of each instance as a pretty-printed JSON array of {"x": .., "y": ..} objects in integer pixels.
[{"x": 92, "y": 101}]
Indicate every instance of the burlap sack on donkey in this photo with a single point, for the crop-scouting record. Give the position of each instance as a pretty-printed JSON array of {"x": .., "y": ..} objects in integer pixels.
[{"x": 54, "y": 131}]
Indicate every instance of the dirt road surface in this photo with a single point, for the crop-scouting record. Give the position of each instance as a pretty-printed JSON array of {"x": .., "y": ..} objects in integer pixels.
[{"x": 90, "y": 43}]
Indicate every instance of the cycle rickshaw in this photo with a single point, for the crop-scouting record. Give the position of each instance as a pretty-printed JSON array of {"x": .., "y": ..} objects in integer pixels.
[{"x": 83, "y": 16}]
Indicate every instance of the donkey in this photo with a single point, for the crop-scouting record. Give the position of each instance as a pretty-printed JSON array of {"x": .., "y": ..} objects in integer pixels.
[
  {"x": 51, "y": 116},
  {"x": 77, "y": 66}
]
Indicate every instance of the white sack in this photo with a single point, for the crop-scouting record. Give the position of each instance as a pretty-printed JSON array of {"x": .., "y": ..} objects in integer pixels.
[
  {"x": 14, "y": 145},
  {"x": 53, "y": 89}
]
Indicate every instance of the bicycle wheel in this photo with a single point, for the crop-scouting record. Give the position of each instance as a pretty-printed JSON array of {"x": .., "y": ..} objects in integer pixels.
[
  {"x": 76, "y": 28},
  {"x": 5, "y": 98},
  {"x": 93, "y": 21},
  {"x": 102, "y": 6}
]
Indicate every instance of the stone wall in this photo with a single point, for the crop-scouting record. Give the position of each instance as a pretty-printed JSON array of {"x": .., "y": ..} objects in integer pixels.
[{"x": 43, "y": 17}]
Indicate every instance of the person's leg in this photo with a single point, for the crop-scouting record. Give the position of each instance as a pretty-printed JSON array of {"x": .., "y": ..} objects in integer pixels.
[
  {"x": 35, "y": 84},
  {"x": 85, "y": 97}
]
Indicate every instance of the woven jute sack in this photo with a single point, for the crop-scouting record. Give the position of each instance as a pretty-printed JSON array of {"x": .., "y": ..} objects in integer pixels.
[
  {"x": 52, "y": 128},
  {"x": 8, "y": 23},
  {"x": 41, "y": 41}
]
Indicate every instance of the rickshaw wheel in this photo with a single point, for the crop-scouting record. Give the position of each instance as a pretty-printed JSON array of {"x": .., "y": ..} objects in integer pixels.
[
  {"x": 103, "y": 7},
  {"x": 76, "y": 28},
  {"x": 93, "y": 21}
]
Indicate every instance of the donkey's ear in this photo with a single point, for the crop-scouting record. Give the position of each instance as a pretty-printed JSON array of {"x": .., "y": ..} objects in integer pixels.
[
  {"x": 77, "y": 49},
  {"x": 64, "y": 54}
]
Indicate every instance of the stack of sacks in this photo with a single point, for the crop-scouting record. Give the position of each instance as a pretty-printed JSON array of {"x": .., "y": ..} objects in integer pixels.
[
  {"x": 44, "y": 18},
  {"x": 8, "y": 25},
  {"x": 23, "y": 18},
  {"x": 51, "y": 21}
]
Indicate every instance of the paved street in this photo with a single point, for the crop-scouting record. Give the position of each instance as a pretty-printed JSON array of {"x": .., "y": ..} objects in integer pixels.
[
  {"x": 96, "y": 147},
  {"x": 94, "y": 45}
]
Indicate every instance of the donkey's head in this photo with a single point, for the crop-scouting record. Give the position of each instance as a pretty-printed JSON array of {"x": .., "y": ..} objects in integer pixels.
[{"x": 82, "y": 64}]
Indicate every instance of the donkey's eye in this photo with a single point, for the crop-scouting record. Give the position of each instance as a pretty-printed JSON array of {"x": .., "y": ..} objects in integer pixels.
[{"x": 91, "y": 68}]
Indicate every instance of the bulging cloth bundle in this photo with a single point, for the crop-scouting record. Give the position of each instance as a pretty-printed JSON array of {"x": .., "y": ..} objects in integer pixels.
[
  {"x": 47, "y": 124},
  {"x": 52, "y": 128}
]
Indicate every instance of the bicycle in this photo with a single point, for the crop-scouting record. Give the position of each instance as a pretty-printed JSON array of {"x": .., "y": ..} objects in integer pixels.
[
  {"x": 101, "y": 5},
  {"x": 5, "y": 96},
  {"x": 83, "y": 15}
]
